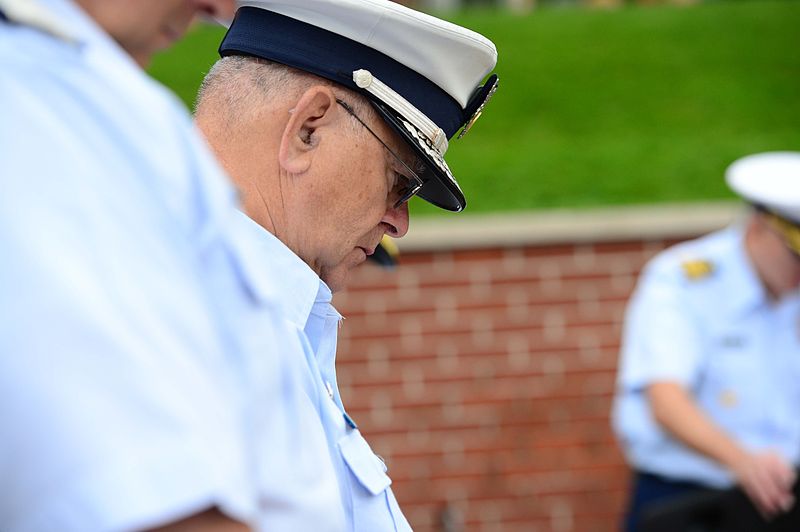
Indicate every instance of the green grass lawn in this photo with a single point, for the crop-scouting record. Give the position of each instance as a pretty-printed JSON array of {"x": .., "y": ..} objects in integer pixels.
[{"x": 635, "y": 105}]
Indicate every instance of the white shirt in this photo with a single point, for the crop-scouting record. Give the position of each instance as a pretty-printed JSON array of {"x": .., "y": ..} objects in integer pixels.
[
  {"x": 138, "y": 382},
  {"x": 305, "y": 301},
  {"x": 701, "y": 317}
]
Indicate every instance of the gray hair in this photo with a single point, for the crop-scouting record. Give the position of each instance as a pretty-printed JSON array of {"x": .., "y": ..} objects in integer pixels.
[{"x": 236, "y": 85}]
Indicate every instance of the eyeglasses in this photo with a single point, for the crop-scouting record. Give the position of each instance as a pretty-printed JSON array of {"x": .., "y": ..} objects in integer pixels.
[{"x": 409, "y": 183}]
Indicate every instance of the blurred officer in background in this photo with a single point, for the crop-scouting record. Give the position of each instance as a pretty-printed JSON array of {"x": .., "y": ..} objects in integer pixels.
[
  {"x": 708, "y": 393},
  {"x": 330, "y": 116},
  {"x": 385, "y": 254},
  {"x": 134, "y": 387}
]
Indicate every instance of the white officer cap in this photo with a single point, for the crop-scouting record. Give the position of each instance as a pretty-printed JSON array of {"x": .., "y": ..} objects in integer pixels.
[
  {"x": 424, "y": 76},
  {"x": 771, "y": 182}
]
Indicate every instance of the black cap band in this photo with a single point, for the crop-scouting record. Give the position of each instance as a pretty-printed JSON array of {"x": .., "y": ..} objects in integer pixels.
[{"x": 261, "y": 33}]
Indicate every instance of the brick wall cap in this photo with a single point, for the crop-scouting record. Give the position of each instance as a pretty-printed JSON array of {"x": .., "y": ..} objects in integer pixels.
[{"x": 606, "y": 224}]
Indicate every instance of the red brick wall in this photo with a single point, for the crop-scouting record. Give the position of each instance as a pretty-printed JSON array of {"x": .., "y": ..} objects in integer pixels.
[{"x": 484, "y": 378}]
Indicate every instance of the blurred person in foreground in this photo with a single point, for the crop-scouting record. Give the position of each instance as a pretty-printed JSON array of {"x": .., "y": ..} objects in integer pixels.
[
  {"x": 134, "y": 387},
  {"x": 708, "y": 393},
  {"x": 330, "y": 116}
]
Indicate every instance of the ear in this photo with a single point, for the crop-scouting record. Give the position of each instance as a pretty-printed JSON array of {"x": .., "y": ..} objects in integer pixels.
[{"x": 302, "y": 134}]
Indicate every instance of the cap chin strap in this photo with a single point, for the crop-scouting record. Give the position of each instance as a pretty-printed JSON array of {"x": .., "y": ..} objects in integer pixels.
[{"x": 365, "y": 80}]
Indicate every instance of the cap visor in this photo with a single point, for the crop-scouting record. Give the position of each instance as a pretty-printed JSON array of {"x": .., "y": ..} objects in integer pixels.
[{"x": 440, "y": 187}]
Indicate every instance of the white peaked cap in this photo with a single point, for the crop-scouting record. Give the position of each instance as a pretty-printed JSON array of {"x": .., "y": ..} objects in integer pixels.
[{"x": 769, "y": 180}]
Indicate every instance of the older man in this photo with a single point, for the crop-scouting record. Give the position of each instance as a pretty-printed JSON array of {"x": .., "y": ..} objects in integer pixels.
[
  {"x": 330, "y": 116},
  {"x": 709, "y": 380},
  {"x": 130, "y": 395}
]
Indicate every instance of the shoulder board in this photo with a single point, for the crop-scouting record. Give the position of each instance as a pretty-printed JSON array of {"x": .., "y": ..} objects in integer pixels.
[{"x": 694, "y": 270}]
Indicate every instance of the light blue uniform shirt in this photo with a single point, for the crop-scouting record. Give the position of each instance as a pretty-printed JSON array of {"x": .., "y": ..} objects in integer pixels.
[
  {"x": 138, "y": 377},
  {"x": 716, "y": 332},
  {"x": 305, "y": 302}
]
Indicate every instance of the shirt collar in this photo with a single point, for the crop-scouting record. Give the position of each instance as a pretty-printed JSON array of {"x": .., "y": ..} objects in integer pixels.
[{"x": 298, "y": 287}]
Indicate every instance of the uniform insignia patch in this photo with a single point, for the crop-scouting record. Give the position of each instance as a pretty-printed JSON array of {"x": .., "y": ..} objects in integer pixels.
[
  {"x": 697, "y": 269},
  {"x": 728, "y": 399}
]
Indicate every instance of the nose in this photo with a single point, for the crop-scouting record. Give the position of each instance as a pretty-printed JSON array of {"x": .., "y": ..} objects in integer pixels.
[
  {"x": 222, "y": 9},
  {"x": 396, "y": 220}
]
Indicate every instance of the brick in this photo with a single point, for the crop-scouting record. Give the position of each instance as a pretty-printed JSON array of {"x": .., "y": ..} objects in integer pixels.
[
  {"x": 378, "y": 360},
  {"x": 518, "y": 350},
  {"x": 561, "y": 515},
  {"x": 514, "y": 262},
  {"x": 549, "y": 250},
  {"x": 583, "y": 257},
  {"x": 446, "y": 305},
  {"x": 413, "y": 382},
  {"x": 444, "y": 264},
  {"x": 381, "y": 413},
  {"x": 476, "y": 255}
]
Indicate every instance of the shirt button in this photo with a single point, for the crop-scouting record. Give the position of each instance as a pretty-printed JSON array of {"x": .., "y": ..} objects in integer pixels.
[{"x": 329, "y": 388}]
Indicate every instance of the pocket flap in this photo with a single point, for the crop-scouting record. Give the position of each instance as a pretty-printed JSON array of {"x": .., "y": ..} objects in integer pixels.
[{"x": 364, "y": 464}]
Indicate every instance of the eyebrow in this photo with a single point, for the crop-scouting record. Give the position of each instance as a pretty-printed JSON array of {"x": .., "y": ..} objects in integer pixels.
[{"x": 414, "y": 161}]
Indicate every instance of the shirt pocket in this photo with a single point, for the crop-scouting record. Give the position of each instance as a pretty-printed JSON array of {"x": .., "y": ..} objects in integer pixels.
[
  {"x": 365, "y": 466},
  {"x": 373, "y": 504},
  {"x": 733, "y": 391}
]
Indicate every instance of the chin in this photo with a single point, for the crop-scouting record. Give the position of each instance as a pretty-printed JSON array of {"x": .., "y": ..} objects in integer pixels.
[
  {"x": 337, "y": 283},
  {"x": 337, "y": 278}
]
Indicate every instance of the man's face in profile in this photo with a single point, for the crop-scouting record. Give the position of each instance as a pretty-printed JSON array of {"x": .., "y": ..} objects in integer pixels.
[
  {"x": 147, "y": 26},
  {"x": 364, "y": 177}
]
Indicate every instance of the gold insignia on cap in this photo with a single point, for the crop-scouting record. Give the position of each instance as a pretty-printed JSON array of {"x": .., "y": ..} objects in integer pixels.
[
  {"x": 728, "y": 399},
  {"x": 697, "y": 269},
  {"x": 477, "y": 114},
  {"x": 472, "y": 121}
]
